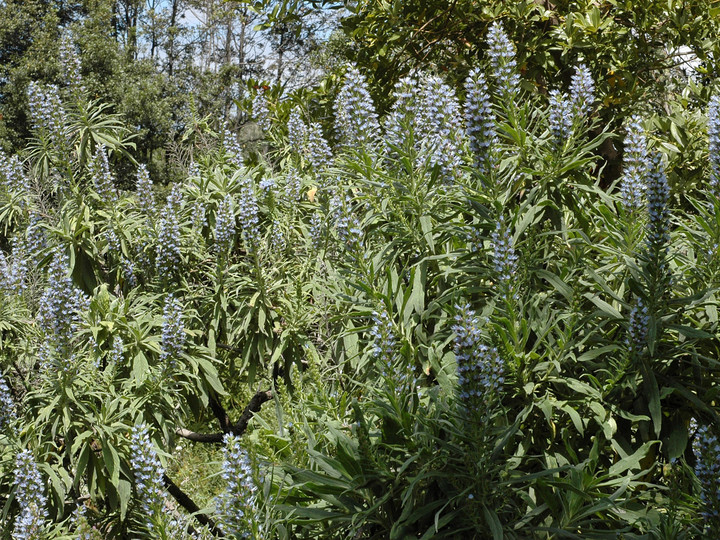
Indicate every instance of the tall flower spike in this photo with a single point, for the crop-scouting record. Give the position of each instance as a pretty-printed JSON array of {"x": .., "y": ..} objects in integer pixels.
[
  {"x": 14, "y": 268},
  {"x": 317, "y": 150},
  {"x": 438, "y": 123},
  {"x": 148, "y": 472},
  {"x": 384, "y": 342},
  {"x": 172, "y": 344},
  {"x": 355, "y": 118},
  {"x": 635, "y": 164},
  {"x": 70, "y": 63},
  {"x": 706, "y": 448},
  {"x": 638, "y": 327},
  {"x": 237, "y": 507},
  {"x": 260, "y": 111},
  {"x": 402, "y": 113},
  {"x": 293, "y": 185},
  {"x": 7, "y": 406},
  {"x": 144, "y": 191},
  {"x": 582, "y": 91},
  {"x": 481, "y": 372},
  {"x": 46, "y": 112},
  {"x": 249, "y": 214},
  {"x": 480, "y": 120},
  {"x": 168, "y": 246},
  {"x": 560, "y": 118},
  {"x": 502, "y": 60},
  {"x": 60, "y": 307},
  {"x": 225, "y": 225},
  {"x": 347, "y": 225},
  {"x": 504, "y": 259},
  {"x": 714, "y": 143},
  {"x": 12, "y": 175},
  {"x": 658, "y": 195},
  {"x": 30, "y": 495},
  {"x": 297, "y": 131},
  {"x": 232, "y": 146},
  {"x": 103, "y": 179}
]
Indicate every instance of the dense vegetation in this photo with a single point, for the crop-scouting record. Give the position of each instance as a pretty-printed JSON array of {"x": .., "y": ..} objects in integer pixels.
[{"x": 440, "y": 321}]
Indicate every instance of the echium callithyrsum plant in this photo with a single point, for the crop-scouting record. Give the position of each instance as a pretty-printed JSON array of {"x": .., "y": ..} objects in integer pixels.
[
  {"x": 168, "y": 235},
  {"x": 401, "y": 115},
  {"x": 14, "y": 269},
  {"x": 317, "y": 149},
  {"x": 238, "y": 506},
  {"x": 480, "y": 120},
  {"x": 144, "y": 191},
  {"x": 706, "y": 448},
  {"x": 348, "y": 227},
  {"x": 438, "y": 126},
  {"x": 384, "y": 341},
  {"x": 560, "y": 117},
  {"x": 47, "y": 114},
  {"x": 249, "y": 214},
  {"x": 297, "y": 131},
  {"x": 70, "y": 63},
  {"x": 232, "y": 147},
  {"x": 12, "y": 175},
  {"x": 582, "y": 91},
  {"x": 30, "y": 495},
  {"x": 657, "y": 240},
  {"x": 714, "y": 143},
  {"x": 636, "y": 165},
  {"x": 504, "y": 260},
  {"x": 501, "y": 52},
  {"x": 61, "y": 305},
  {"x": 102, "y": 176},
  {"x": 637, "y": 328},
  {"x": 224, "y": 225},
  {"x": 481, "y": 371},
  {"x": 148, "y": 474},
  {"x": 355, "y": 118},
  {"x": 7, "y": 407},
  {"x": 260, "y": 110},
  {"x": 172, "y": 343}
]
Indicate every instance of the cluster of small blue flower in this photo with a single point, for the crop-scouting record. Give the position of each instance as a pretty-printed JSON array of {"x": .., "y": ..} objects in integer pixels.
[
  {"x": 567, "y": 112},
  {"x": 148, "y": 472},
  {"x": 504, "y": 259},
  {"x": 355, "y": 118},
  {"x": 438, "y": 123},
  {"x": 47, "y": 113},
  {"x": 384, "y": 341},
  {"x": 635, "y": 165},
  {"x": 60, "y": 308},
  {"x": 714, "y": 142},
  {"x": 501, "y": 52},
  {"x": 14, "y": 269},
  {"x": 657, "y": 192},
  {"x": 7, "y": 407},
  {"x": 706, "y": 448},
  {"x": 172, "y": 342},
  {"x": 237, "y": 507},
  {"x": 144, "y": 191},
  {"x": 481, "y": 371},
  {"x": 260, "y": 111},
  {"x": 480, "y": 120},
  {"x": 70, "y": 63},
  {"x": 31, "y": 498},
  {"x": 102, "y": 176},
  {"x": 12, "y": 175},
  {"x": 638, "y": 327},
  {"x": 168, "y": 235},
  {"x": 225, "y": 225}
]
